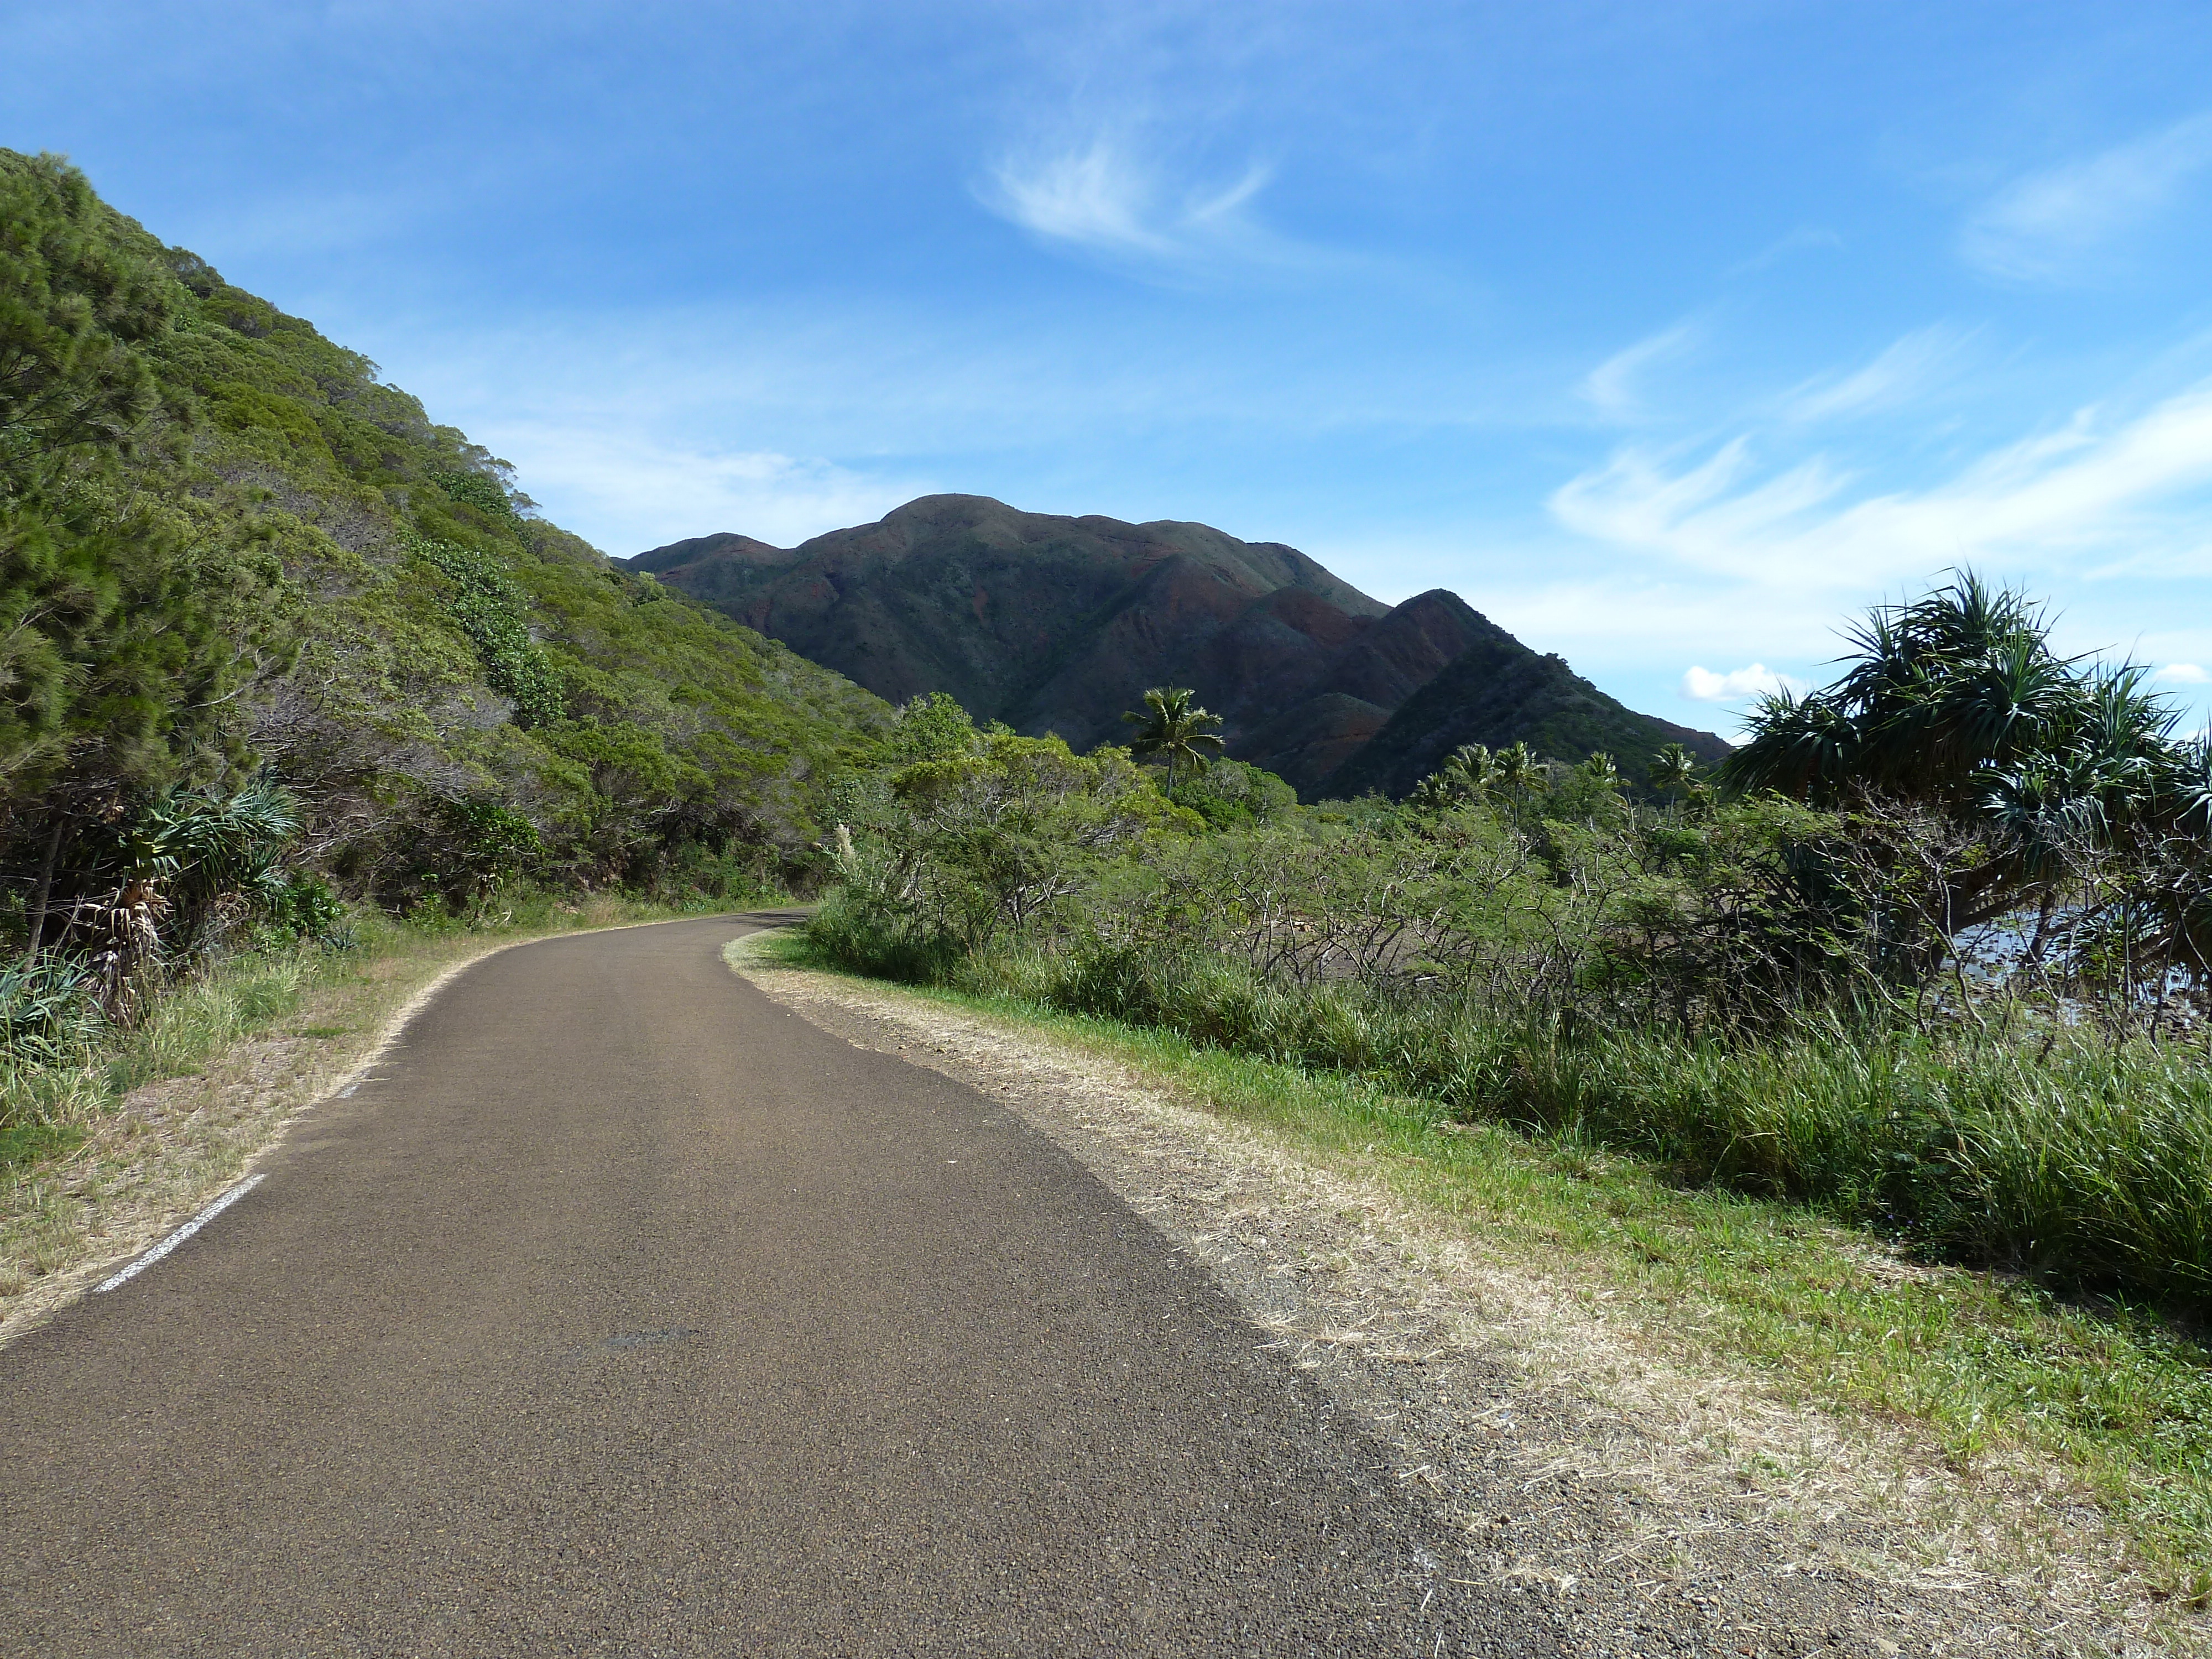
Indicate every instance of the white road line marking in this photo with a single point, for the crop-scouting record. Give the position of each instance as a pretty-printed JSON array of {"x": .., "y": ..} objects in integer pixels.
[{"x": 182, "y": 1233}]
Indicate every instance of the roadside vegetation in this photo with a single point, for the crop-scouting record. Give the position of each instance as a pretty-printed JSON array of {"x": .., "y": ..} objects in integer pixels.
[
  {"x": 283, "y": 661},
  {"x": 114, "y": 1136},
  {"x": 1926, "y": 960}
]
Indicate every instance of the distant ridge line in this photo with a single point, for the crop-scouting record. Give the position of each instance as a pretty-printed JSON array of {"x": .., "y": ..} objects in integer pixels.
[{"x": 1054, "y": 622}]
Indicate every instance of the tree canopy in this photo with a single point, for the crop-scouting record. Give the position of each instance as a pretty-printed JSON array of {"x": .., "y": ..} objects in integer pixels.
[{"x": 230, "y": 550}]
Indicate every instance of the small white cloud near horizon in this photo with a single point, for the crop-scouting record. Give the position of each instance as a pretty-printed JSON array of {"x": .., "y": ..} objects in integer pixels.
[
  {"x": 1736, "y": 684},
  {"x": 2051, "y": 226},
  {"x": 1104, "y": 198},
  {"x": 2184, "y": 673},
  {"x": 625, "y": 493},
  {"x": 1611, "y": 388}
]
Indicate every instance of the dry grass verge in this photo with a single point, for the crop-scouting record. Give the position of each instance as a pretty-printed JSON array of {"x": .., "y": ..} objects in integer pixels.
[{"x": 1596, "y": 1429}]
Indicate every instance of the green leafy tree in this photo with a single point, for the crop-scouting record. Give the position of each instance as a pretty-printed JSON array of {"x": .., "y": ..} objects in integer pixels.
[
  {"x": 932, "y": 726},
  {"x": 129, "y": 619},
  {"x": 1175, "y": 728}
]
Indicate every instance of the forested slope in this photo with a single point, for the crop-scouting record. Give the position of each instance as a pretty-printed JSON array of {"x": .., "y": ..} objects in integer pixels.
[
  {"x": 229, "y": 551},
  {"x": 1499, "y": 692}
]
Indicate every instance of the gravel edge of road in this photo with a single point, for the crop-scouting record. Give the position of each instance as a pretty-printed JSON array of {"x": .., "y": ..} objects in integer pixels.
[{"x": 1447, "y": 1357}]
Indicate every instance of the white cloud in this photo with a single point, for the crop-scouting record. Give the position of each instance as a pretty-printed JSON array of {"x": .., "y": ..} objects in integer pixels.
[
  {"x": 1107, "y": 198},
  {"x": 2050, "y": 226},
  {"x": 1903, "y": 368},
  {"x": 1736, "y": 684},
  {"x": 2087, "y": 488},
  {"x": 2184, "y": 673},
  {"x": 625, "y": 493},
  {"x": 1611, "y": 388}
]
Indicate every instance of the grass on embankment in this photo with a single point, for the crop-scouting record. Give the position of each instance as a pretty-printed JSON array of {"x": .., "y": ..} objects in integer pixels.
[
  {"x": 97, "y": 1153},
  {"x": 2114, "y": 1399}
]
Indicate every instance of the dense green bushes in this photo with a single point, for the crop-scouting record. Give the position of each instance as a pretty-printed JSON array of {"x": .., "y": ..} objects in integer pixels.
[
  {"x": 227, "y": 549},
  {"x": 493, "y": 612},
  {"x": 275, "y": 650},
  {"x": 1766, "y": 994}
]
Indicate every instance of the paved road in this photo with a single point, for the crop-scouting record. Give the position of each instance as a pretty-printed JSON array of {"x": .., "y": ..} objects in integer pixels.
[{"x": 624, "y": 1312}]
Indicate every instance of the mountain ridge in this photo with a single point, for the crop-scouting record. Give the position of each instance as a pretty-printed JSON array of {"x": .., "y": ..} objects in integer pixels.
[{"x": 1057, "y": 623}]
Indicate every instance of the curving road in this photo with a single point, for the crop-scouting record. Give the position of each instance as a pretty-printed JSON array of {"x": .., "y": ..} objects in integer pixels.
[{"x": 623, "y": 1312}]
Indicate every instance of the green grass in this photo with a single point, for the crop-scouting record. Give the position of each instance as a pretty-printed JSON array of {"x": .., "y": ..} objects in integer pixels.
[
  {"x": 1989, "y": 1364},
  {"x": 2085, "y": 1163},
  {"x": 27, "y": 1144}
]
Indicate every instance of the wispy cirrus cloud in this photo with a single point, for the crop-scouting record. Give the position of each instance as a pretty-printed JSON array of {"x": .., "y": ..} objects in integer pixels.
[
  {"x": 2090, "y": 490},
  {"x": 2060, "y": 224},
  {"x": 1107, "y": 197},
  {"x": 1902, "y": 370},
  {"x": 1612, "y": 389},
  {"x": 1800, "y": 240}
]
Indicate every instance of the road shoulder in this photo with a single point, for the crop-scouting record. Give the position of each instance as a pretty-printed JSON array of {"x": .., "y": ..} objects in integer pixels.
[{"x": 1662, "y": 1506}]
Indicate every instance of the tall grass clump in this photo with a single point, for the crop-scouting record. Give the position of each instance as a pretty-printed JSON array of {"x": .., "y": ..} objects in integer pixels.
[
  {"x": 54, "y": 1087},
  {"x": 2083, "y": 1162}
]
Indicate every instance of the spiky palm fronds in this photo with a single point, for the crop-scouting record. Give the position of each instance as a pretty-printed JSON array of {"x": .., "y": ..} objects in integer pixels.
[
  {"x": 1174, "y": 728},
  {"x": 1674, "y": 767}
]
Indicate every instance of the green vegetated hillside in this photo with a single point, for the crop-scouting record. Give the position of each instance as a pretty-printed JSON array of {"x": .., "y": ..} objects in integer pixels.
[
  {"x": 1497, "y": 692},
  {"x": 1051, "y": 623},
  {"x": 233, "y": 552}
]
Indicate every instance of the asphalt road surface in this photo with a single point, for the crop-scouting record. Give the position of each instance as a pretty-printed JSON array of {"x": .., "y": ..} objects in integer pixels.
[{"x": 624, "y": 1312}]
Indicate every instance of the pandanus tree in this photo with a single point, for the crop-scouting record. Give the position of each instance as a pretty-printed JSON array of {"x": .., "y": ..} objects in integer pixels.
[
  {"x": 1954, "y": 706},
  {"x": 1939, "y": 698},
  {"x": 1174, "y": 728}
]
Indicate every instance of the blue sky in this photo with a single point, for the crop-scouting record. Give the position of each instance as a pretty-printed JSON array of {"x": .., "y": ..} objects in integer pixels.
[{"x": 1670, "y": 336}]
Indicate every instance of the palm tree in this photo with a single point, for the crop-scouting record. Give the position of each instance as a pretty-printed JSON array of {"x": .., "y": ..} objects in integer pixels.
[
  {"x": 1475, "y": 764},
  {"x": 1174, "y": 728},
  {"x": 1600, "y": 770},
  {"x": 1466, "y": 775},
  {"x": 1673, "y": 768},
  {"x": 1436, "y": 793},
  {"x": 1519, "y": 770}
]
